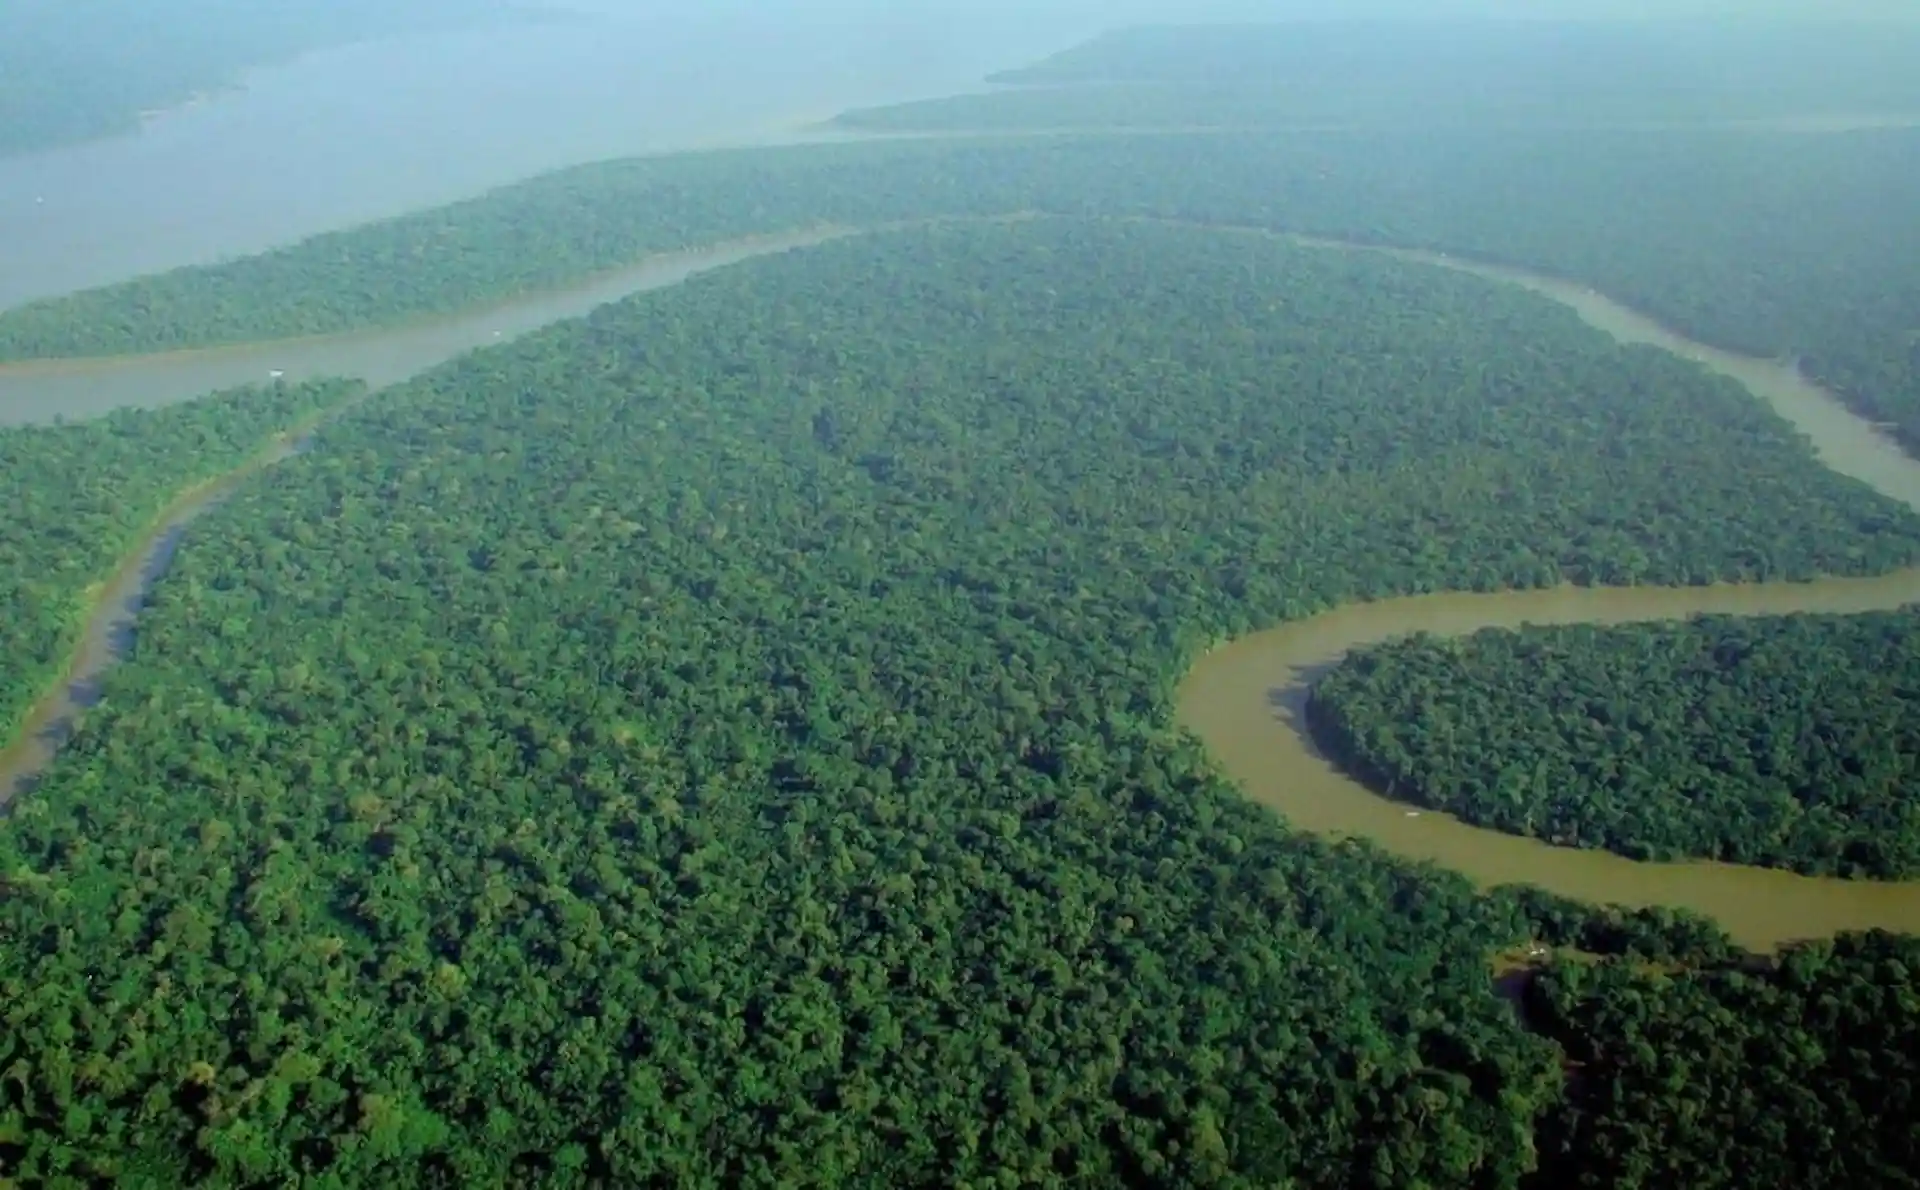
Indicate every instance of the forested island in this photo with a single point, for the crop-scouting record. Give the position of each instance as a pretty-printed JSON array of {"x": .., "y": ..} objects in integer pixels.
[
  {"x": 1787, "y": 245},
  {"x": 1787, "y": 741},
  {"x": 724, "y": 741},
  {"x": 80, "y": 495}
]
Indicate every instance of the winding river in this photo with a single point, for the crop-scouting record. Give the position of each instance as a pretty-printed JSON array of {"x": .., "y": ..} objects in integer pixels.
[
  {"x": 1247, "y": 699},
  {"x": 1244, "y": 699}
]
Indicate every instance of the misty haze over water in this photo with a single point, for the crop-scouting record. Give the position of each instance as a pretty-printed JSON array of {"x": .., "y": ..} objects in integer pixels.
[
  {"x": 363, "y": 131},
  {"x": 368, "y": 130}
]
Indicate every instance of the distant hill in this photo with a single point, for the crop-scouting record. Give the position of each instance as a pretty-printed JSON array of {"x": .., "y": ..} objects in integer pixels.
[{"x": 1628, "y": 55}]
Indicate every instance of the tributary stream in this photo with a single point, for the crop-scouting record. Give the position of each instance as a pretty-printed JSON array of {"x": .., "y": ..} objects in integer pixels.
[{"x": 1244, "y": 699}]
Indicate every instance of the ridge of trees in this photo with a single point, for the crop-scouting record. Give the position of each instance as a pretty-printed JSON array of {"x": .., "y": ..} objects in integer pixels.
[
  {"x": 1776, "y": 244},
  {"x": 723, "y": 740},
  {"x": 1226, "y": 103},
  {"x": 79, "y": 495}
]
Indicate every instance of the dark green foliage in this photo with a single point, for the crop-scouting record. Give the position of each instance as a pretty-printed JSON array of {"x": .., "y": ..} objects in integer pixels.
[
  {"x": 1789, "y": 741},
  {"x": 1654, "y": 934},
  {"x": 78, "y": 496},
  {"x": 1804, "y": 1074},
  {"x": 534, "y": 235},
  {"x": 721, "y": 742}
]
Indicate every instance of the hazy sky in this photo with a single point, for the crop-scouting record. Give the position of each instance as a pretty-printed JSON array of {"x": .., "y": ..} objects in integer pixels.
[{"x": 1117, "y": 12}]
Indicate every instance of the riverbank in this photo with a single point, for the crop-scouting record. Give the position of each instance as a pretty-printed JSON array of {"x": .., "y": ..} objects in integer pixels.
[
  {"x": 43, "y": 391},
  {"x": 1560, "y": 209},
  {"x": 111, "y": 607},
  {"x": 1246, "y": 700}
]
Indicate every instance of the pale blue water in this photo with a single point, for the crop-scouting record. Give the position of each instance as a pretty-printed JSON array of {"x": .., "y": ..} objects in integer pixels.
[{"x": 371, "y": 130}]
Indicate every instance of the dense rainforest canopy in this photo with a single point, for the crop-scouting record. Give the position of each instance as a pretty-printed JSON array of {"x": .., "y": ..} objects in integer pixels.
[
  {"x": 72, "y": 70},
  {"x": 79, "y": 495},
  {"x": 723, "y": 742},
  {"x": 1772, "y": 243},
  {"x": 1738, "y": 1076},
  {"x": 1789, "y": 741}
]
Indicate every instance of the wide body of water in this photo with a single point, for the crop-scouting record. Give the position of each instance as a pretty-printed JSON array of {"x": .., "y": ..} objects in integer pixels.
[
  {"x": 367, "y": 131},
  {"x": 371, "y": 130},
  {"x": 1243, "y": 699}
]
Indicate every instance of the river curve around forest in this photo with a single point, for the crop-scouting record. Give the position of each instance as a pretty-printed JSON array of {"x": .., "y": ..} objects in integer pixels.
[{"x": 1244, "y": 700}]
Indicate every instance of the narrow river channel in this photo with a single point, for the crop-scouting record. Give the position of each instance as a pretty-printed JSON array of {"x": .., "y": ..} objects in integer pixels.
[
  {"x": 41, "y": 392},
  {"x": 110, "y": 626},
  {"x": 1244, "y": 699}
]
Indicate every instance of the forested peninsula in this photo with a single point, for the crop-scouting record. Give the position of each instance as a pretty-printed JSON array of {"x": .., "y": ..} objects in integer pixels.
[
  {"x": 722, "y": 741},
  {"x": 728, "y": 740},
  {"x": 1787, "y": 741},
  {"x": 1775, "y": 244},
  {"x": 80, "y": 495}
]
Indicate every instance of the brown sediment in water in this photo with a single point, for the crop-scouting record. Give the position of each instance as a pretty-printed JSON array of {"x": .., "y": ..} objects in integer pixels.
[
  {"x": 41, "y": 391},
  {"x": 549, "y": 303},
  {"x": 1246, "y": 700},
  {"x": 377, "y": 357}
]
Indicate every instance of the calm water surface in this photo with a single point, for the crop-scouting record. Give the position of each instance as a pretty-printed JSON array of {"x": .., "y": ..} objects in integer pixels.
[
  {"x": 368, "y": 131},
  {"x": 109, "y": 633}
]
